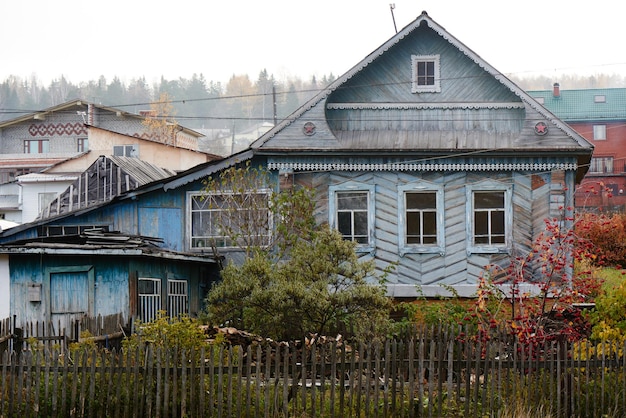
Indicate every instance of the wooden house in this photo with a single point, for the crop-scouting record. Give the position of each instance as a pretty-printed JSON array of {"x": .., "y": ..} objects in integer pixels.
[
  {"x": 101, "y": 249},
  {"x": 64, "y": 140},
  {"x": 431, "y": 160},
  {"x": 423, "y": 154}
]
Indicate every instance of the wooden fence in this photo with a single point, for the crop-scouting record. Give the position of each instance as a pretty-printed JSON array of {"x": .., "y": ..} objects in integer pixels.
[
  {"x": 107, "y": 329},
  {"x": 426, "y": 375}
]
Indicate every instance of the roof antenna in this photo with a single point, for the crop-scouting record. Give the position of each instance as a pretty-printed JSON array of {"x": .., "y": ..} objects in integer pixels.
[{"x": 391, "y": 7}]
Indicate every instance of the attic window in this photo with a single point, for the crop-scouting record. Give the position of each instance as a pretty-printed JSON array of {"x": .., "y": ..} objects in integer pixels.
[
  {"x": 425, "y": 72},
  {"x": 599, "y": 98}
]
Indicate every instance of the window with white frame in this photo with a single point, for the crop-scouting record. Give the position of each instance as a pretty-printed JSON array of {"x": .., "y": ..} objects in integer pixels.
[
  {"x": 351, "y": 210},
  {"x": 599, "y": 132},
  {"x": 490, "y": 213},
  {"x": 36, "y": 146},
  {"x": 177, "y": 298},
  {"x": 601, "y": 165},
  {"x": 149, "y": 293},
  {"x": 228, "y": 220},
  {"x": 82, "y": 144},
  {"x": 421, "y": 222},
  {"x": 425, "y": 71}
]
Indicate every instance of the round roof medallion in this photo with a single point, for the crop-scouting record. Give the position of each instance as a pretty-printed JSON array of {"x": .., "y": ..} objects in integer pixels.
[
  {"x": 309, "y": 129},
  {"x": 541, "y": 128}
]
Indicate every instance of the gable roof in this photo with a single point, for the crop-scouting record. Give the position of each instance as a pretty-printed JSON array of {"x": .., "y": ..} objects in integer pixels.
[
  {"x": 108, "y": 177},
  {"x": 582, "y": 105},
  {"x": 82, "y": 104},
  {"x": 287, "y": 135}
]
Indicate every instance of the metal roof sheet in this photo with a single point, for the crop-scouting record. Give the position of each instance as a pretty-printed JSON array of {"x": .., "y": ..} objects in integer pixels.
[{"x": 584, "y": 104}]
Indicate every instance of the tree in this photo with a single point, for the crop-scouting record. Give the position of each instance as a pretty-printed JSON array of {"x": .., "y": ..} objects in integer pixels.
[
  {"x": 308, "y": 279},
  {"x": 322, "y": 288},
  {"x": 115, "y": 93},
  {"x": 160, "y": 124}
]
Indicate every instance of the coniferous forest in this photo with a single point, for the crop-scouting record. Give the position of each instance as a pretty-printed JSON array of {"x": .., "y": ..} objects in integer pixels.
[{"x": 203, "y": 104}]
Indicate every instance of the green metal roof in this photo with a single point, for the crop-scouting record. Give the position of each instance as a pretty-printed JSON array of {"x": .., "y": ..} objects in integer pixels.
[{"x": 585, "y": 105}]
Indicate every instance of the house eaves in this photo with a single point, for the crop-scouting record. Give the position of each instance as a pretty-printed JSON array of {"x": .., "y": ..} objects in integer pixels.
[{"x": 95, "y": 250}]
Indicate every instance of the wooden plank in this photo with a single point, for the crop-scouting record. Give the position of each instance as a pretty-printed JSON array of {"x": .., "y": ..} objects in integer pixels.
[
  {"x": 333, "y": 377},
  {"x": 361, "y": 375},
  {"x": 202, "y": 383},
  {"x": 277, "y": 363},
  {"x": 174, "y": 384},
  {"x": 285, "y": 406},
  {"x": 248, "y": 381},
  {"x": 322, "y": 360},
  {"x": 183, "y": 384},
  {"x": 257, "y": 382},
  {"x": 239, "y": 383},
  {"x": 229, "y": 378},
  {"x": 313, "y": 391}
]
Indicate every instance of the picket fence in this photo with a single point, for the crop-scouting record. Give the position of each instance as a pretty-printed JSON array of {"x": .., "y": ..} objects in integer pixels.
[{"x": 432, "y": 373}]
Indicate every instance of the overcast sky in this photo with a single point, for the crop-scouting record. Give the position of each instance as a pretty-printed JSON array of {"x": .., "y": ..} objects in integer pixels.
[{"x": 83, "y": 40}]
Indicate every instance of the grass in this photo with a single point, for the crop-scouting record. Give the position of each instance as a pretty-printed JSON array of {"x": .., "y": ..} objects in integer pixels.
[{"x": 612, "y": 277}]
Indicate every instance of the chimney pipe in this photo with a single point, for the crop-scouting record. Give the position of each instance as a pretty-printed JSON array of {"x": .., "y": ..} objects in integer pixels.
[{"x": 556, "y": 90}]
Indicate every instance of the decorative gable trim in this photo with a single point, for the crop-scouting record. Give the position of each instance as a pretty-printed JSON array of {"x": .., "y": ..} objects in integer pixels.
[
  {"x": 422, "y": 106},
  {"x": 421, "y": 167}
]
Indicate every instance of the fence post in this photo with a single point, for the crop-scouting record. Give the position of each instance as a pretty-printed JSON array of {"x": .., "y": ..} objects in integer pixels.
[{"x": 18, "y": 338}]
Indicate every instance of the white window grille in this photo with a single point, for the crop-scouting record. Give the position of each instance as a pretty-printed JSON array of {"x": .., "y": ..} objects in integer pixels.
[
  {"x": 149, "y": 298},
  {"x": 177, "y": 297},
  {"x": 215, "y": 222}
]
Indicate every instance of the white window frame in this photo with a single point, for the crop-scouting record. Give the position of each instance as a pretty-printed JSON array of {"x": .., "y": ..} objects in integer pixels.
[
  {"x": 82, "y": 144},
  {"x": 36, "y": 146},
  {"x": 177, "y": 297},
  {"x": 202, "y": 242},
  {"x": 149, "y": 303},
  {"x": 354, "y": 187},
  {"x": 420, "y": 187},
  {"x": 435, "y": 87},
  {"x": 472, "y": 247},
  {"x": 604, "y": 165},
  {"x": 599, "y": 132}
]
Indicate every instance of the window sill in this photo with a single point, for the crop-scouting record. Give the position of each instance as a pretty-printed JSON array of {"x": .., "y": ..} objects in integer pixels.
[
  {"x": 422, "y": 250},
  {"x": 488, "y": 250},
  {"x": 365, "y": 249}
]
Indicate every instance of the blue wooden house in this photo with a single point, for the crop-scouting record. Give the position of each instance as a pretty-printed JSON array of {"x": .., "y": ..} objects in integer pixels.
[
  {"x": 111, "y": 244},
  {"x": 423, "y": 154}
]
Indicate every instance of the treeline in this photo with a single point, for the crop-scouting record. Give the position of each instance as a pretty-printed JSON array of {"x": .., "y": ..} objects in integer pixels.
[
  {"x": 202, "y": 104},
  {"x": 198, "y": 103}
]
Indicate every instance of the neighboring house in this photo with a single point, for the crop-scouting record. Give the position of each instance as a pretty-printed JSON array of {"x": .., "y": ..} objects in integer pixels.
[
  {"x": 599, "y": 115},
  {"x": 227, "y": 143},
  {"x": 77, "y": 132},
  {"x": 423, "y": 154},
  {"x": 106, "y": 178}
]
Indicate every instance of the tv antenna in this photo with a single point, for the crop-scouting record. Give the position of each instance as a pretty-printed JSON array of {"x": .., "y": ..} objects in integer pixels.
[{"x": 391, "y": 7}]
